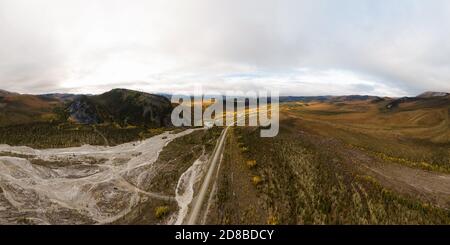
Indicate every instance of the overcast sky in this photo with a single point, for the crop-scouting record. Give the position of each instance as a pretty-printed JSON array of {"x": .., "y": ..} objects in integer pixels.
[{"x": 391, "y": 48}]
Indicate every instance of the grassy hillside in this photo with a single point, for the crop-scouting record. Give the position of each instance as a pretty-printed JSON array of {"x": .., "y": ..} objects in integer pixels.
[
  {"x": 21, "y": 109},
  {"x": 414, "y": 132}
]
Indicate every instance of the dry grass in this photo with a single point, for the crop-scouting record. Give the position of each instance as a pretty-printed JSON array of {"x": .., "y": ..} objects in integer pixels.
[
  {"x": 413, "y": 134},
  {"x": 305, "y": 184}
]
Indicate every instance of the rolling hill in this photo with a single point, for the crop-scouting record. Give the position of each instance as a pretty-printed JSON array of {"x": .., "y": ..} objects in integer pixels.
[
  {"x": 22, "y": 109},
  {"x": 120, "y": 106},
  {"x": 125, "y": 107},
  {"x": 430, "y": 94}
]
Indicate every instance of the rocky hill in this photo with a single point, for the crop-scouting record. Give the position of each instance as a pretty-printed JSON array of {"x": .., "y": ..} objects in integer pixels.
[{"x": 121, "y": 106}]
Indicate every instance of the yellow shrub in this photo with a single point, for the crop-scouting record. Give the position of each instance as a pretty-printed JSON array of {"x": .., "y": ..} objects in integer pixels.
[
  {"x": 244, "y": 149},
  {"x": 251, "y": 163},
  {"x": 272, "y": 220},
  {"x": 161, "y": 211},
  {"x": 256, "y": 180}
]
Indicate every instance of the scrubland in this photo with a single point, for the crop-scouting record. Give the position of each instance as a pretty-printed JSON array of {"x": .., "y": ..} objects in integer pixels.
[{"x": 339, "y": 163}]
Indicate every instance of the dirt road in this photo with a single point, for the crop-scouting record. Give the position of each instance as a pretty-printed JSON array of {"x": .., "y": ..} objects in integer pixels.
[{"x": 214, "y": 161}]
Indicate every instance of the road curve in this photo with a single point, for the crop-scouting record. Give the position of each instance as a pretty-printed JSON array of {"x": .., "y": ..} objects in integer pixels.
[{"x": 214, "y": 160}]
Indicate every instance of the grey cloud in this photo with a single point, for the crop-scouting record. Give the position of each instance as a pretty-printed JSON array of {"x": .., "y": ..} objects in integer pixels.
[{"x": 399, "y": 46}]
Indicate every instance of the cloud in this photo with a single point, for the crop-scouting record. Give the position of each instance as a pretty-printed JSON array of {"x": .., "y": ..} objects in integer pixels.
[{"x": 302, "y": 47}]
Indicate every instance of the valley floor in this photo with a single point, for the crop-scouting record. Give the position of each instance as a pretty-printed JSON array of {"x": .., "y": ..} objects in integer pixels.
[
  {"x": 97, "y": 184},
  {"x": 324, "y": 167}
]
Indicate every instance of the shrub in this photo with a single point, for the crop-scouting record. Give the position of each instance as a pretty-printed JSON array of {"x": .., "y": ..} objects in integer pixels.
[
  {"x": 161, "y": 211},
  {"x": 272, "y": 220},
  {"x": 251, "y": 163},
  {"x": 256, "y": 180}
]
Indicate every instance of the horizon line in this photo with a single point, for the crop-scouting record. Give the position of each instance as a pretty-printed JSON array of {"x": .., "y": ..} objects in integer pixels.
[{"x": 206, "y": 94}]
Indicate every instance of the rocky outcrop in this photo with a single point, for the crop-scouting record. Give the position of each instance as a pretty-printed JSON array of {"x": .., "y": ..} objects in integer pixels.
[{"x": 83, "y": 111}]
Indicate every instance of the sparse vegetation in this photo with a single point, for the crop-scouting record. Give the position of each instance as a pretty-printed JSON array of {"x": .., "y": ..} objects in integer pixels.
[
  {"x": 414, "y": 134},
  {"x": 236, "y": 197},
  {"x": 173, "y": 161},
  {"x": 178, "y": 156},
  {"x": 306, "y": 184}
]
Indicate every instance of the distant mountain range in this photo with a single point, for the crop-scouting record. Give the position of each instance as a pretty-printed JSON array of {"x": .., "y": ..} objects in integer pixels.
[
  {"x": 5, "y": 93},
  {"x": 428, "y": 98},
  {"x": 328, "y": 98},
  {"x": 59, "y": 96},
  {"x": 128, "y": 107},
  {"x": 430, "y": 94}
]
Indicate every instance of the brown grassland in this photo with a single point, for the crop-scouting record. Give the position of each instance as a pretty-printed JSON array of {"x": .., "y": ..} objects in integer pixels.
[{"x": 352, "y": 162}]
